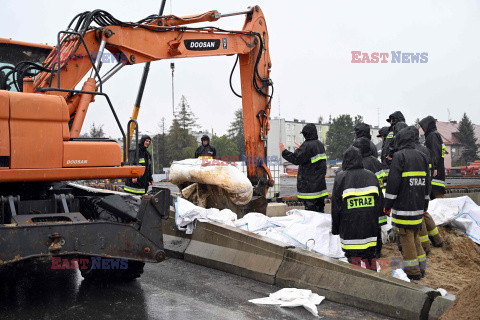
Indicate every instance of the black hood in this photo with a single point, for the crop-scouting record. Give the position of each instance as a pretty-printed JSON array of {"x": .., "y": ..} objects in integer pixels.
[
  {"x": 352, "y": 159},
  {"x": 428, "y": 124},
  {"x": 310, "y": 132},
  {"x": 405, "y": 139},
  {"x": 417, "y": 134},
  {"x": 399, "y": 126},
  {"x": 383, "y": 132},
  {"x": 142, "y": 141},
  {"x": 206, "y": 138},
  {"x": 362, "y": 130},
  {"x": 363, "y": 144},
  {"x": 397, "y": 116}
]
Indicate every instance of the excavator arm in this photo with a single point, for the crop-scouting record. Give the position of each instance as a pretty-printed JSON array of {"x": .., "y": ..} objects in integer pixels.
[{"x": 80, "y": 51}]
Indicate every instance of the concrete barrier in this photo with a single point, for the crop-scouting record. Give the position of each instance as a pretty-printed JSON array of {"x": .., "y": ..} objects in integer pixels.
[
  {"x": 440, "y": 305},
  {"x": 174, "y": 241},
  {"x": 339, "y": 282},
  {"x": 475, "y": 196},
  {"x": 236, "y": 251}
]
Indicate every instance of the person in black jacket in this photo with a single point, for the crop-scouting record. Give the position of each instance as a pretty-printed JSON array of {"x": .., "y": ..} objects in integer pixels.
[
  {"x": 382, "y": 134},
  {"x": 205, "y": 151},
  {"x": 140, "y": 185},
  {"x": 393, "y": 119},
  {"x": 429, "y": 230},
  {"x": 374, "y": 166},
  {"x": 356, "y": 206},
  {"x": 362, "y": 130},
  {"x": 406, "y": 199},
  {"x": 312, "y": 162},
  {"x": 434, "y": 143}
]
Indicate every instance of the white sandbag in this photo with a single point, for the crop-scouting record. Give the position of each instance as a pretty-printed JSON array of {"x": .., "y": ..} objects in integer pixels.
[
  {"x": 292, "y": 297},
  {"x": 223, "y": 175},
  {"x": 186, "y": 213},
  {"x": 461, "y": 213},
  {"x": 312, "y": 230}
]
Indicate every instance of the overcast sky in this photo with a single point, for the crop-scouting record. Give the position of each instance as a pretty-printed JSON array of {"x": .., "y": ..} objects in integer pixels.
[{"x": 310, "y": 48}]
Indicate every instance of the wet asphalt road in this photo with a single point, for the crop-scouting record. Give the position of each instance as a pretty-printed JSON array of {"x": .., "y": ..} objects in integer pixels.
[{"x": 173, "y": 289}]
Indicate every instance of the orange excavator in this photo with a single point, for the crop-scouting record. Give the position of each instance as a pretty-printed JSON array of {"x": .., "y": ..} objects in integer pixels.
[{"x": 42, "y": 114}]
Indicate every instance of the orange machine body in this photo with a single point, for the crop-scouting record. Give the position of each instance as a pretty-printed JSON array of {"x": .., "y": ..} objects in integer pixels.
[
  {"x": 35, "y": 137},
  {"x": 40, "y": 137}
]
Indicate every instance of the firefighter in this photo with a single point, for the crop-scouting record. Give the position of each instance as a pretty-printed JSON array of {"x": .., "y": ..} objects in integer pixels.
[
  {"x": 393, "y": 119},
  {"x": 382, "y": 134},
  {"x": 373, "y": 165},
  {"x": 140, "y": 185},
  {"x": 406, "y": 199},
  {"x": 312, "y": 162},
  {"x": 356, "y": 206},
  {"x": 205, "y": 151},
  {"x": 434, "y": 143},
  {"x": 363, "y": 130},
  {"x": 429, "y": 228}
]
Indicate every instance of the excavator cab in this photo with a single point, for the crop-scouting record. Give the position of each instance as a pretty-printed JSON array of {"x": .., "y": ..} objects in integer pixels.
[{"x": 12, "y": 53}]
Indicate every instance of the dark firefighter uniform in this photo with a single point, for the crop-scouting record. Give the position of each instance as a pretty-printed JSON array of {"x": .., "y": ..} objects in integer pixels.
[
  {"x": 429, "y": 230},
  {"x": 312, "y": 167},
  {"x": 393, "y": 119},
  {"x": 373, "y": 165},
  {"x": 356, "y": 206},
  {"x": 144, "y": 159},
  {"x": 434, "y": 143},
  {"x": 383, "y": 133},
  {"x": 362, "y": 130},
  {"x": 407, "y": 199},
  {"x": 205, "y": 151}
]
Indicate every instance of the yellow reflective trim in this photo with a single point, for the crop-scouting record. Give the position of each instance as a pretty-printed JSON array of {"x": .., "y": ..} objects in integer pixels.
[
  {"x": 359, "y": 246},
  {"x": 314, "y": 196},
  {"x": 430, "y": 166},
  {"x": 433, "y": 232},
  {"x": 414, "y": 174},
  {"x": 422, "y": 258},
  {"x": 424, "y": 238},
  {"x": 390, "y": 136},
  {"x": 382, "y": 221},
  {"x": 319, "y": 158},
  {"x": 438, "y": 184},
  {"x": 205, "y": 157},
  {"x": 133, "y": 190},
  {"x": 407, "y": 222},
  {"x": 444, "y": 150},
  {"x": 361, "y": 193},
  {"x": 141, "y": 161}
]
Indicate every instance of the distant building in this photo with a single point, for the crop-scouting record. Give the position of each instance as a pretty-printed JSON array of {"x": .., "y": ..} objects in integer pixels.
[
  {"x": 448, "y": 132},
  {"x": 289, "y": 132}
]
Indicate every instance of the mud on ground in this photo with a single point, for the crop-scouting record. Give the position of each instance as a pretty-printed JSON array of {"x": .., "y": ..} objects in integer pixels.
[{"x": 452, "y": 267}]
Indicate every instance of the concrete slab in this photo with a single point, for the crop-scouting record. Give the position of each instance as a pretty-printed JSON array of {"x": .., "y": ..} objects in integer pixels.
[
  {"x": 174, "y": 241},
  {"x": 235, "y": 251},
  {"x": 440, "y": 305},
  {"x": 276, "y": 209},
  {"x": 339, "y": 282}
]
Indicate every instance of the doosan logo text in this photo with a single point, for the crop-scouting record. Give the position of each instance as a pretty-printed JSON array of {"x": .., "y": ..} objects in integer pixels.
[
  {"x": 77, "y": 161},
  {"x": 392, "y": 57}
]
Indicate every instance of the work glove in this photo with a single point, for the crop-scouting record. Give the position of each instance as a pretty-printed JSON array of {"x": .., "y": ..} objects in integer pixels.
[{"x": 387, "y": 212}]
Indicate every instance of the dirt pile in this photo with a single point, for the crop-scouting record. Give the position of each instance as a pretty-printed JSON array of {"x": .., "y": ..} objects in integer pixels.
[
  {"x": 466, "y": 305},
  {"x": 452, "y": 267}
]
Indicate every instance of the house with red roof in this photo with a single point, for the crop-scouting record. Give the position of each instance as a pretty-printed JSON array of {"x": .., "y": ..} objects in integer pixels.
[{"x": 448, "y": 131}]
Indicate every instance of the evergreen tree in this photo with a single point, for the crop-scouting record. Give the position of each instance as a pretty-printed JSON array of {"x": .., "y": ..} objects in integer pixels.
[
  {"x": 236, "y": 133},
  {"x": 180, "y": 143},
  {"x": 96, "y": 131},
  {"x": 466, "y": 136},
  {"x": 358, "y": 119},
  {"x": 339, "y": 136},
  {"x": 160, "y": 145},
  {"x": 226, "y": 148}
]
